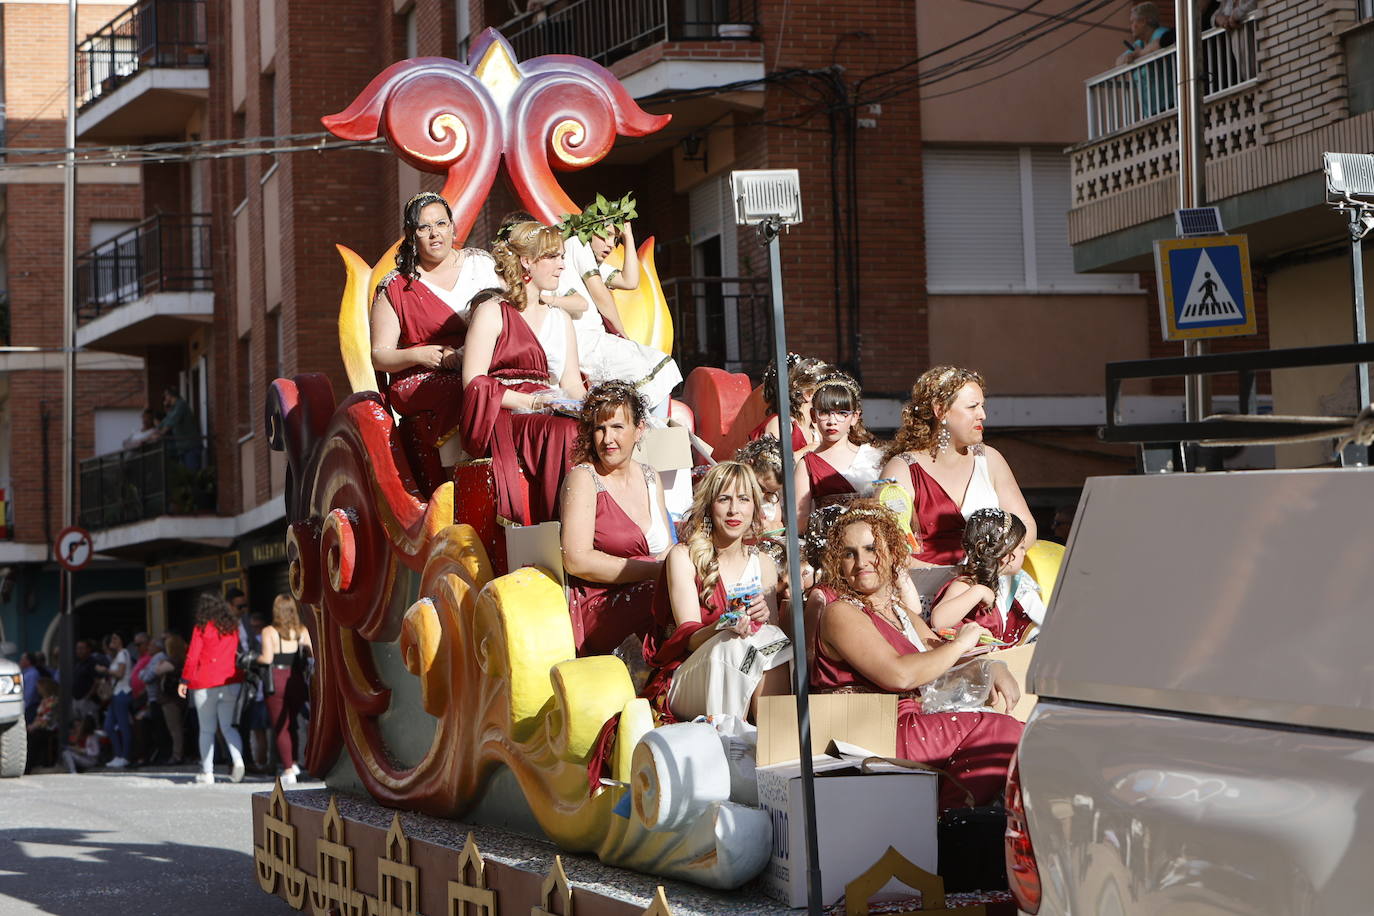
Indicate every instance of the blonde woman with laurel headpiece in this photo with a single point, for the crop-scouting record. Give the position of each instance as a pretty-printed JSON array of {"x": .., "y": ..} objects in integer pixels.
[
  {"x": 939, "y": 458},
  {"x": 716, "y": 646},
  {"x": 870, "y": 641},
  {"x": 285, "y": 648},
  {"x": 845, "y": 462},
  {"x": 419, "y": 321},
  {"x": 520, "y": 361}
]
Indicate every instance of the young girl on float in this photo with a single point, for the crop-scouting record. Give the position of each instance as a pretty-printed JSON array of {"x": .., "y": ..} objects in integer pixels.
[
  {"x": 604, "y": 350},
  {"x": 804, "y": 373},
  {"x": 844, "y": 463},
  {"x": 990, "y": 588},
  {"x": 716, "y": 646}
]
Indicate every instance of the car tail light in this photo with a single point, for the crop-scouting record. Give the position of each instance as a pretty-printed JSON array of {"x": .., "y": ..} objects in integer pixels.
[{"x": 1022, "y": 873}]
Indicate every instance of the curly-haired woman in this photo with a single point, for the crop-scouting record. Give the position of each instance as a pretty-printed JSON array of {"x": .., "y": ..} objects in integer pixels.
[
  {"x": 869, "y": 641},
  {"x": 804, "y": 373},
  {"x": 939, "y": 458},
  {"x": 707, "y": 663},
  {"x": 212, "y": 677},
  {"x": 987, "y": 589},
  {"x": 520, "y": 358},
  {"x": 615, "y": 527}
]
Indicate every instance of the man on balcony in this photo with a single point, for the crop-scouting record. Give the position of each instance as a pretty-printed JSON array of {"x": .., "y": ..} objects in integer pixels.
[
  {"x": 1154, "y": 81},
  {"x": 180, "y": 429}
]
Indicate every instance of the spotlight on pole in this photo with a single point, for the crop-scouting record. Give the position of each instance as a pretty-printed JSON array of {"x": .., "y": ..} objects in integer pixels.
[
  {"x": 771, "y": 200},
  {"x": 1350, "y": 190}
]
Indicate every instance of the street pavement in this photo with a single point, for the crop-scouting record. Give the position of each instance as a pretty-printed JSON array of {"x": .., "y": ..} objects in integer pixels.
[{"x": 145, "y": 842}]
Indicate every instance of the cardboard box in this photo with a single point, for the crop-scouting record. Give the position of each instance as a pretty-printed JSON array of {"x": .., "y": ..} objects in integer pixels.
[
  {"x": 537, "y": 545},
  {"x": 868, "y": 720},
  {"x": 666, "y": 449},
  {"x": 858, "y": 816}
]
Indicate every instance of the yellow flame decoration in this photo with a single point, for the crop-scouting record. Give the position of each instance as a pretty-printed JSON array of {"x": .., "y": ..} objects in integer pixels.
[{"x": 644, "y": 311}]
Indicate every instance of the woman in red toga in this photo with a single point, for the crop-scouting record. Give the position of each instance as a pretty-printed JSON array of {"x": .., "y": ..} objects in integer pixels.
[
  {"x": 988, "y": 589},
  {"x": 615, "y": 525},
  {"x": 939, "y": 458},
  {"x": 868, "y": 642},
  {"x": 845, "y": 463},
  {"x": 419, "y": 319},
  {"x": 803, "y": 374},
  {"x": 705, "y": 662},
  {"x": 521, "y": 359}
]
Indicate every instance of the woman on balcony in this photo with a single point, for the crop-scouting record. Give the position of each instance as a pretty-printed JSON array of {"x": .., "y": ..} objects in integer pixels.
[
  {"x": 521, "y": 360},
  {"x": 939, "y": 458},
  {"x": 418, "y": 320},
  {"x": 615, "y": 523}
]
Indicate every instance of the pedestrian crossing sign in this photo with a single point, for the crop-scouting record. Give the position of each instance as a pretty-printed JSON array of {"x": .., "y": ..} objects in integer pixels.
[{"x": 1204, "y": 287}]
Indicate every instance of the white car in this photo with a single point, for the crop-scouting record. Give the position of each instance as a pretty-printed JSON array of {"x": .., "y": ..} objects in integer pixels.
[
  {"x": 14, "y": 736},
  {"x": 1204, "y": 737}
]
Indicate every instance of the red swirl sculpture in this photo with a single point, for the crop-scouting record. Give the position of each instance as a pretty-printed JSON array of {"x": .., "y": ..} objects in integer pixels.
[{"x": 552, "y": 112}]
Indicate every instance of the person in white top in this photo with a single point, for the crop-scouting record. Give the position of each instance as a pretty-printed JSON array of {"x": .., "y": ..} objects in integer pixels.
[
  {"x": 615, "y": 529},
  {"x": 118, "y": 718},
  {"x": 723, "y": 648},
  {"x": 939, "y": 457},
  {"x": 606, "y": 353}
]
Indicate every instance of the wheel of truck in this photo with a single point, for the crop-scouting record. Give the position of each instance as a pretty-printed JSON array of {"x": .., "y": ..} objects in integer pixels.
[{"x": 14, "y": 749}]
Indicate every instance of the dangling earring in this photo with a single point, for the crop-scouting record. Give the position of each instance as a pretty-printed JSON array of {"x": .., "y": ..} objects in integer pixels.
[
  {"x": 708, "y": 525},
  {"x": 525, "y": 278},
  {"x": 942, "y": 440}
]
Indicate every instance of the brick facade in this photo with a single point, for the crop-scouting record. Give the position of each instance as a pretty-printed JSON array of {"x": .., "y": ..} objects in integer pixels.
[{"x": 1303, "y": 65}]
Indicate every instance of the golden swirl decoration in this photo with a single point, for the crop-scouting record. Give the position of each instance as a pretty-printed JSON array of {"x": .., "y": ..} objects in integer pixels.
[
  {"x": 568, "y": 135},
  {"x": 445, "y": 125}
]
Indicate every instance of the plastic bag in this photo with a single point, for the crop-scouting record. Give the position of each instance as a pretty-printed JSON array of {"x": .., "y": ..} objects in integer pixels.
[{"x": 964, "y": 688}]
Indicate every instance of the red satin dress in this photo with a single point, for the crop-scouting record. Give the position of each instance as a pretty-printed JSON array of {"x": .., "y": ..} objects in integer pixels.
[
  {"x": 432, "y": 399},
  {"x": 975, "y": 747},
  {"x": 1009, "y": 628},
  {"x": 798, "y": 434},
  {"x": 537, "y": 443},
  {"x": 826, "y": 482},
  {"x": 668, "y": 644},
  {"x": 604, "y": 615},
  {"x": 938, "y": 519}
]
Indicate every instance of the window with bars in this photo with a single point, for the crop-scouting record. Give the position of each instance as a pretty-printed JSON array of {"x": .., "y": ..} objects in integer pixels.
[{"x": 997, "y": 222}]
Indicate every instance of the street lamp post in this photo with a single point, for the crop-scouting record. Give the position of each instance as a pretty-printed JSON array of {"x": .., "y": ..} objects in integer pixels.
[{"x": 771, "y": 200}]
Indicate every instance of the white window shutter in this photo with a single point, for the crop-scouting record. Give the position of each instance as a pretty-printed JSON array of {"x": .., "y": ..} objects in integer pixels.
[{"x": 973, "y": 221}]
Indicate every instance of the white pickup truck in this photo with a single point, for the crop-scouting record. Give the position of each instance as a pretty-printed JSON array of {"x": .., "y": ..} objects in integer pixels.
[{"x": 1204, "y": 738}]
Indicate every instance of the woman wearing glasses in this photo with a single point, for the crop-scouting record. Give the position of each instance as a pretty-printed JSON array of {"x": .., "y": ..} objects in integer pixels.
[
  {"x": 419, "y": 319},
  {"x": 845, "y": 463}
]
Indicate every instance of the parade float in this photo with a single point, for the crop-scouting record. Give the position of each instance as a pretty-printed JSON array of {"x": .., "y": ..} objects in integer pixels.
[{"x": 449, "y": 712}]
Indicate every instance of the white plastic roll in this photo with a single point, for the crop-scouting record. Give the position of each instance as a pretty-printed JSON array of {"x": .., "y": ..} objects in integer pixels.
[{"x": 677, "y": 772}]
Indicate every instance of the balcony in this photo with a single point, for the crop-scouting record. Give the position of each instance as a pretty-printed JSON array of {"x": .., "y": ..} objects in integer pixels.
[
  {"x": 144, "y": 74},
  {"x": 148, "y": 286},
  {"x": 162, "y": 478},
  {"x": 1276, "y": 95},
  {"x": 651, "y": 45},
  {"x": 721, "y": 321}
]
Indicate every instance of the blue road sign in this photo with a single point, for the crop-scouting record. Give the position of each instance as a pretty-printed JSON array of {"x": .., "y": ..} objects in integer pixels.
[{"x": 1204, "y": 287}]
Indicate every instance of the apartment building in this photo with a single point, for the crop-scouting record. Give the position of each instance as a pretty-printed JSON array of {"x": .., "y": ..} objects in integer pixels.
[{"x": 1290, "y": 83}]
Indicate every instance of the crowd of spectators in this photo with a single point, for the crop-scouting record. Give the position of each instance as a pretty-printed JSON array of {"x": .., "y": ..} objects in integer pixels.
[{"x": 131, "y": 706}]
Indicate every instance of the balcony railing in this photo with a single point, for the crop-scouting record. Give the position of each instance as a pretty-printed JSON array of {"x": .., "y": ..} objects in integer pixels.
[
  {"x": 607, "y": 30},
  {"x": 168, "y": 477},
  {"x": 151, "y": 33},
  {"x": 721, "y": 321},
  {"x": 1132, "y": 94},
  {"x": 164, "y": 253}
]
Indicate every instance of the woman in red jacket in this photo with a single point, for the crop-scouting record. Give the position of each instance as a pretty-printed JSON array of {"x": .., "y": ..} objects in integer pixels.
[{"x": 212, "y": 676}]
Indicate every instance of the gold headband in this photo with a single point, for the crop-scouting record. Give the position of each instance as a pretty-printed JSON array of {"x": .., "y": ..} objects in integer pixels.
[{"x": 841, "y": 381}]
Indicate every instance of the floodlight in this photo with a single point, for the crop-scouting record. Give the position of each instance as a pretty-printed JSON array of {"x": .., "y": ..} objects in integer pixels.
[
  {"x": 1350, "y": 189},
  {"x": 1198, "y": 221},
  {"x": 766, "y": 195},
  {"x": 1349, "y": 176}
]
